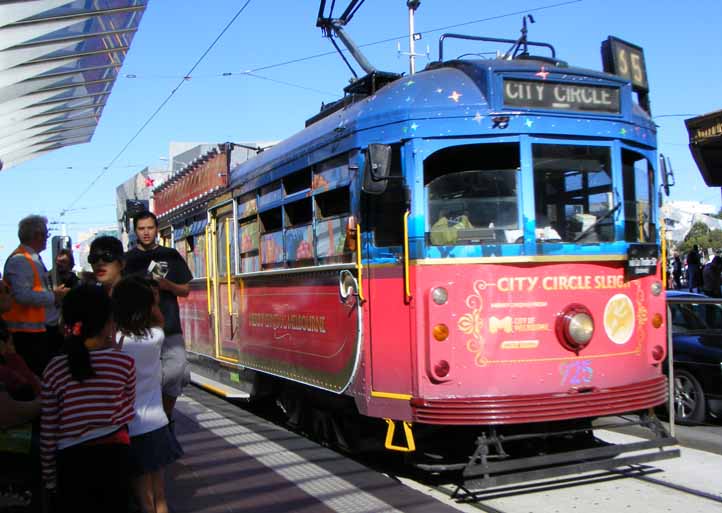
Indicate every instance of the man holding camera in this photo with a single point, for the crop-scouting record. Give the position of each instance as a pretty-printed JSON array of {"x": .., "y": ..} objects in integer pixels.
[{"x": 170, "y": 270}]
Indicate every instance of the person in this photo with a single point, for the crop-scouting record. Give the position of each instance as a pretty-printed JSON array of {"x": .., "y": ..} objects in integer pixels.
[
  {"x": 445, "y": 230},
  {"x": 19, "y": 386},
  {"x": 33, "y": 315},
  {"x": 174, "y": 284},
  {"x": 107, "y": 261},
  {"x": 137, "y": 316},
  {"x": 19, "y": 381},
  {"x": 88, "y": 394},
  {"x": 677, "y": 272},
  {"x": 711, "y": 277},
  {"x": 694, "y": 268},
  {"x": 64, "y": 275}
]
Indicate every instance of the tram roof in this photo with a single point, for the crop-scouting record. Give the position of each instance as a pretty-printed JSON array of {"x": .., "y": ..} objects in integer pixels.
[
  {"x": 58, "y": 62},
  {"x": 453, "y": 89}
]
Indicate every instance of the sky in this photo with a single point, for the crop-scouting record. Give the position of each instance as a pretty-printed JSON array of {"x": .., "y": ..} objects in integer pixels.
[{"x": 219, "y": 102}]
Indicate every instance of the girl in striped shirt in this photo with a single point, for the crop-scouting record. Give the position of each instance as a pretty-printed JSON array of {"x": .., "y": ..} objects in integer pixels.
[{"x": 88, "y": 395}]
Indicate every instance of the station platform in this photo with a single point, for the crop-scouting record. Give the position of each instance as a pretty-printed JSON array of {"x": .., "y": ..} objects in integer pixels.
[{"x": 236, "y": 461}]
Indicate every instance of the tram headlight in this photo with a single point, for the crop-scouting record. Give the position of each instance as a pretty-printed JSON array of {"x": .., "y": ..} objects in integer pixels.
[
  {"x": 575, "y": 327},
  {"x": 440, "y": 295}
]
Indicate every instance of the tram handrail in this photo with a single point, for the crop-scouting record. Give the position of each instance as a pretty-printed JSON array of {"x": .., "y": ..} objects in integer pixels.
[
  {"x": 407, "y": 286},
  {"x": 359, "y": 266}
]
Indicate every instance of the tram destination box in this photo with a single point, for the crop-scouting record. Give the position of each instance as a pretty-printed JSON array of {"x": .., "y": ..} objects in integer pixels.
[
  {"x": 642, "y": 260},
  {"x": 535, "y": 94}
]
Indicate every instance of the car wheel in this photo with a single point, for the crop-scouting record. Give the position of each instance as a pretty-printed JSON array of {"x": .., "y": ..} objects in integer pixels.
[{"x": 689, "y": 403}]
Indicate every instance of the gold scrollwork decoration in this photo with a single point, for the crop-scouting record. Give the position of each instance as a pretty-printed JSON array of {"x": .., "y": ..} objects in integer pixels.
[{"x": 472, "y": 323}]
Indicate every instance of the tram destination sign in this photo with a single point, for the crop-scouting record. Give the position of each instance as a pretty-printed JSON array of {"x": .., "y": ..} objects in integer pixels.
[{"x": 536, "y": 94}]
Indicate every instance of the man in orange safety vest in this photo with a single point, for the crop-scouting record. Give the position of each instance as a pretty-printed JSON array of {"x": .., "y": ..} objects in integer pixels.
[{"x": 33, "y": 315}]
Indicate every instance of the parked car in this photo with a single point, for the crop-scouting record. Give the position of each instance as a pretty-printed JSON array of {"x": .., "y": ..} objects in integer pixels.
[{"x": 697, "y": 346}]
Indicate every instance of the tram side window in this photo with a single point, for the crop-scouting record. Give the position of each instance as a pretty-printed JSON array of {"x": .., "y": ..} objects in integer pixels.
[
  {"x": 638, "y": 196},
  {"x": 272, "y": 254},
  {"x": 333, "y": 210},
  {"x": 248, "y": 233},
  {"x": 473, "y": 195},
  {"x": 384, "y": 213},
  {"x": 573, "y": 194},
  {"x": 298, "y": 235}
]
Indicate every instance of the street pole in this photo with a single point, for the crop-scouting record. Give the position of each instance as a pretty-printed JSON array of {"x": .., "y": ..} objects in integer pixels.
[{"x": 413, "y": 5}]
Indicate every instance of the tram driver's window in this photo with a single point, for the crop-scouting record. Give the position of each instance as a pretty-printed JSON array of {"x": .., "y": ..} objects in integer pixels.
[
  {"x": 573, "y": 194},
  {"x": 638, "y": 189},
  {"x": 472, "y": 193}
]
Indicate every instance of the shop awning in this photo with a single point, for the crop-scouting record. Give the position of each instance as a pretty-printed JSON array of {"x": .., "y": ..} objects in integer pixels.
[
  {"x": 705, "y": 143},
  {"x": 58, "y": 62}
]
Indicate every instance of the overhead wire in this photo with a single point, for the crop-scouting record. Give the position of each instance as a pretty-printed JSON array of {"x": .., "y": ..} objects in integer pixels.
[
  {"x": 253, "y": 72},
  {"x": 159, "y": 108},
  {"x": 365, "y": 45}
]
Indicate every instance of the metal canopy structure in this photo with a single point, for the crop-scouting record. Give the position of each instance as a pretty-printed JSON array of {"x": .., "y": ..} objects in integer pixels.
[
  {"x": 58, "y": 62},
  {"x": 705, "y": 143}
]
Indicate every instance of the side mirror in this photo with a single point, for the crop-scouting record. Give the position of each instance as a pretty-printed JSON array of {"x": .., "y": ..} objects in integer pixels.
[
  {"x": 377, "y": 169},
  {"x": 665, "y": 167}
]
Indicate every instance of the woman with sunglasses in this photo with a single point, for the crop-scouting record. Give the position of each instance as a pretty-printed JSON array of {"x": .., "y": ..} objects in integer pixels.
[{"x": 106, "y": 258}]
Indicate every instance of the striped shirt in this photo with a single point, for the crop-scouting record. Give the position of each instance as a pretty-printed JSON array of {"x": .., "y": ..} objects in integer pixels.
[{"x": 75, "y": 412}]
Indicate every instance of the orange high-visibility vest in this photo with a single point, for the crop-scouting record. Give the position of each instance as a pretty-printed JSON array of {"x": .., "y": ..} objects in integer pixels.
[{"x": 27, "y": 318}]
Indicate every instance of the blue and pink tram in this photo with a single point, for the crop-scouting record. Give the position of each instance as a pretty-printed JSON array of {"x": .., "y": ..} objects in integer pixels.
[{"x": 460, "y": 262}]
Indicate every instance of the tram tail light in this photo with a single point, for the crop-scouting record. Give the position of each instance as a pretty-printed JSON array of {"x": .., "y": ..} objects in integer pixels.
[
  {"x": 442, "y": 368},
  {"x": 574, "y": 327},
  {"x": 658, "y": 353}
]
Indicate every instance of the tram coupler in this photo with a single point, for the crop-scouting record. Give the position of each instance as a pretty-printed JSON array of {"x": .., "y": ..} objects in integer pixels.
[{"x": 490, "y": 465}]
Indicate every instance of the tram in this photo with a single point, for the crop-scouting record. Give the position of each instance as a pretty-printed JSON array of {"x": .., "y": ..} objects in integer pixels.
[{"x": 462, "y": 262}]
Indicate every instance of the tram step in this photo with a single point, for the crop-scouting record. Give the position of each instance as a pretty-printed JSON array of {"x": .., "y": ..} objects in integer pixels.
[{"x": 218, "y": 388}]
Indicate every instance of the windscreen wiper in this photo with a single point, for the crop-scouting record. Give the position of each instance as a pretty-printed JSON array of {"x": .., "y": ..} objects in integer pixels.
[{"x": 595, "y": 223}]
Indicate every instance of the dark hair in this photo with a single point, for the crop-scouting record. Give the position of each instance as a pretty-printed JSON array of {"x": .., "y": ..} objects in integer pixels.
[
  {"x": 108, "y": 244},
  {"x": 69, "y": 254},
  {"x": 146, "y": 214},
  {"x": 133, "y": 302},
  {"x": 86, "y": 311}
]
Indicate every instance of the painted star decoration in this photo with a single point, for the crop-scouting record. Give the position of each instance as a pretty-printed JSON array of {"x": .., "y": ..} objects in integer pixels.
[
  {"x": 149, "y": 181},
  {"x": 528, "y": 122},
  {"x": 623, "y": 131},
  {"x": 478, "y": 117},
  {"x": 543, "y": 73},
  {"x": 455, "y": 96},
  {"x": 413, "y": 126}
]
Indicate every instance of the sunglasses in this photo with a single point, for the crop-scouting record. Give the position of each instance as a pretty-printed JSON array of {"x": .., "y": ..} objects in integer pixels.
[{"x": 105, "y": 256}]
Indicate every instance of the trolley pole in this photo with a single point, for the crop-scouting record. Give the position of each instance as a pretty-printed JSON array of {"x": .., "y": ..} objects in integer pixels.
[{"x": 413, "y": 5}]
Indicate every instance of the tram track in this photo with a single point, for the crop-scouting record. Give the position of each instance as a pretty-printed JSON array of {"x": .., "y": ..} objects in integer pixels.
[{"x": 588, "y": 488}]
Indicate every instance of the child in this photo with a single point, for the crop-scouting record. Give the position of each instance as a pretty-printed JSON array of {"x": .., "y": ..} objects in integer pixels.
[
  {"x": 88, "y": 395},
  {"x": 140, "y": 335}
]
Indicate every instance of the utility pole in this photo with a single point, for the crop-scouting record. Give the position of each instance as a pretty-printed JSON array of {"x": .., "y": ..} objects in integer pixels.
[{"x": 412, "y": 5}]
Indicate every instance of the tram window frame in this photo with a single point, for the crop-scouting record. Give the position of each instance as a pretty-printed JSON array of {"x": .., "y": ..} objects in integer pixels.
[
  {"x": 298, "y": 218},
  {"x": 271, "y": 223},
  {"x": 565, "y": 209},
  {"x": 457, "y": 221},
  {"x": 635, "y": 166},
  {"x": 332, "y": 207},
  {"x": 296, "y": 182}
]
